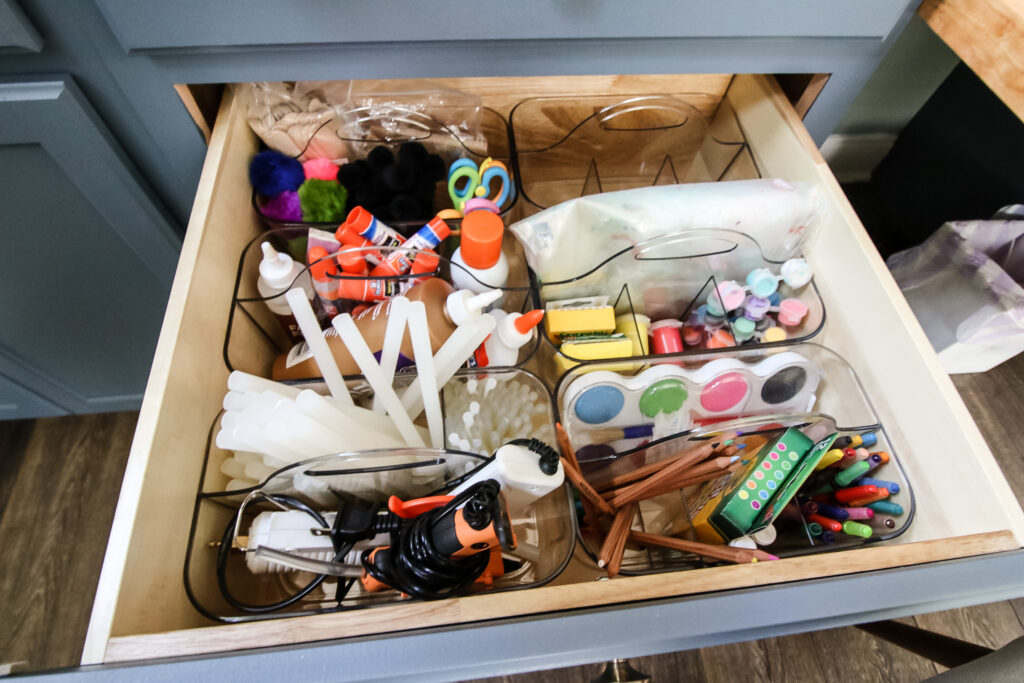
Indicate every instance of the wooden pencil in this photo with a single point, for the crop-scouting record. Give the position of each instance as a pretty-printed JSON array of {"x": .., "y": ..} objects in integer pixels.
[
  {"x": 587, "y": 492},
  {"x": 690, "y": 477},
  {"x": 648, "y": 470},
  {"x": 719, "y": 552},
  {"x": 615, "y": 543},
  {"x": 566, "y": 445},
  {"x": 636, "y": 491}
]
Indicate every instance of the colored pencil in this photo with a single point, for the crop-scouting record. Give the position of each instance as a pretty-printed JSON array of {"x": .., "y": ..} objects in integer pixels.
[
  {"x": 719, "y": 552},
  {"x": 704, "y": 471},
  {"x": 615, "y": 542},
  {"x": 587, "y": 492}
]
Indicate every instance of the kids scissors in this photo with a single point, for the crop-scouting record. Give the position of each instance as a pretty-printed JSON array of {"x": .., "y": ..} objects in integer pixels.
[{"x": 477, "y": 181}]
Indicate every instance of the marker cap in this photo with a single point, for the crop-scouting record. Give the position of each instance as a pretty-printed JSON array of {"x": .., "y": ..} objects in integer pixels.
[{"x": 482, "y": 232}]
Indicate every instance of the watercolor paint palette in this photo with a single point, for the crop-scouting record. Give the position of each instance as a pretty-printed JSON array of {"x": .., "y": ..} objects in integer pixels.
[{"x": 665, "y": 399}]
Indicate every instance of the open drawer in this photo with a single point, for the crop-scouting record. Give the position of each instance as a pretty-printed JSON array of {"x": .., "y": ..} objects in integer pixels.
[{"x": 964, "y": 506}]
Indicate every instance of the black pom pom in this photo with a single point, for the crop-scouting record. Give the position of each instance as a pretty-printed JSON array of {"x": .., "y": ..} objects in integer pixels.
[
  {"x": 353, "y": 175},
  {"x": 398, "y": 177},
  {"x": 380, "y": 158},
  {"x": 374, "y": 191},
  {"x": 424, "y": 190},
  {"x": 404, "y": 207},
  {"x": 381, "y": 212},
  {"x": 413, "y": 154},
  {"x": 434, "y": 168}
]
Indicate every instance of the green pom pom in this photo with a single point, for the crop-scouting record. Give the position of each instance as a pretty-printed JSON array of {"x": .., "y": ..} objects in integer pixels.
[{"x": 323, "y": 201}]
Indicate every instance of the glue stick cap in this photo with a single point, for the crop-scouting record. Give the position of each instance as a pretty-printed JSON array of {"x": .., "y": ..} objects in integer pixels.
[
  {"x": 276, "y": 268},
  {"x": 319, "y": 265},
  {"x": 425, "y": 262},
  {"x": 358, "y": 221},
  {"x": 351, "y": 262},
  {"x": 463, "y": 304},
  {"x": 351, "y": 239},
  {"x": 482, "y": 232}
]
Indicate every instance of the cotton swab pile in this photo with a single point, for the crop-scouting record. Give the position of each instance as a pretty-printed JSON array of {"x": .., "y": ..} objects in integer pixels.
[{"x": 478, "y": 423}]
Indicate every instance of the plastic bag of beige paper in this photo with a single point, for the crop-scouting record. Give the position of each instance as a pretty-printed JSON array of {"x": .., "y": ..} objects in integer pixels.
[
  {"x": 573, "y": 237},
  {"x": 964, "y": 284}
]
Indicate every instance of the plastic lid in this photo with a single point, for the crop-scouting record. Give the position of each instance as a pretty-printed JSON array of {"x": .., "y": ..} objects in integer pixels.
[
  {"x": 351, "y": 262},
  {"x": 425, "y": 262},
  {"x": 526, "y": 322},
  {"x": 663, "y": 324},
  {"x": 482, "y": 232},
  {"x": 515, "y": 330},
  {"x": 774, "y": 334},
  {"x": 276, "y": 269},
  {"x": 320, "y": 265},
  {"x": 462, "y": 304},
  {"x": 358, "y": 220}
]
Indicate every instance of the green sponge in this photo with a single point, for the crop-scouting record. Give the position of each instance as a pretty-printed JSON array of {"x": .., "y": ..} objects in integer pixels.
[{"x": 323, "y": 201}]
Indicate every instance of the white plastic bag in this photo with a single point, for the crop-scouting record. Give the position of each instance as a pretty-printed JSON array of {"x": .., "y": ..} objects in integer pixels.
[
  {"x": 573, "y": 237},
  {"x": 964, "y": 284}
]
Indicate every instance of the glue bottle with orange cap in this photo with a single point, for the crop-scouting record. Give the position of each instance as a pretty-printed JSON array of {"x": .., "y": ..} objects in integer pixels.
[
  {"x": 513, "y": 332},
  {"x": 479, "y": 263}
]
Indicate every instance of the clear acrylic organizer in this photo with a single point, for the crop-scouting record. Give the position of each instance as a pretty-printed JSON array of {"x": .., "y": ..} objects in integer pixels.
[{"x": 545, "y": 532}]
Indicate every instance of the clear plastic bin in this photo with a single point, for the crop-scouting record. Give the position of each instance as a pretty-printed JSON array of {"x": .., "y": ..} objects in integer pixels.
[
  {"x": 567, "y": 147},
  {"x": 254, "y": 336},
  {"x": 669, "y": 277},
  {"x": 545, "y": 533}
]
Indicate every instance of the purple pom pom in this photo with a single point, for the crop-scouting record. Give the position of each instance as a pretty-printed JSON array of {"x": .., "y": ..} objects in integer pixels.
[
  {"x": 285, "y": 207},
  {"x": 272, "y": 173}
]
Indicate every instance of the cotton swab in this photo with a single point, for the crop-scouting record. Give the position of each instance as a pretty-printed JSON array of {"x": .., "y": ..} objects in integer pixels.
[
  {"x": 450, "y": 357},
  {"x": 363, "y": 357},
  {"x": 304, "y": 315},
  {"x": 398, "y": 312},
  {"x": 419, "y": 332}
]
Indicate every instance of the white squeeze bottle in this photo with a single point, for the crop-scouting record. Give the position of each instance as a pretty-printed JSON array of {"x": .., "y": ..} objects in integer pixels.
[
  {"x": 277, "y": 275},
  {"x": 513, "y": 331},
  {"x": 479, "y": 264}
]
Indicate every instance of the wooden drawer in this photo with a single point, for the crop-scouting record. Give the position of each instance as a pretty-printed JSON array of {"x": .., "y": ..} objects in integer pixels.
[{"x": 964, "y": 506}]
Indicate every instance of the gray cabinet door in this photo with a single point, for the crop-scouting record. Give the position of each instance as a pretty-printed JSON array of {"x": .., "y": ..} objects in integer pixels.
[
  {"x": 17, "y": 402},
  {"x": 86, "y": 257}
]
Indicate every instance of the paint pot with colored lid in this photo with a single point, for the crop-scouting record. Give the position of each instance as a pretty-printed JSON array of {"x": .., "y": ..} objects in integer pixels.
[
  {"x": 666, "y": 336},
  {"x": 791, "y": 312}
]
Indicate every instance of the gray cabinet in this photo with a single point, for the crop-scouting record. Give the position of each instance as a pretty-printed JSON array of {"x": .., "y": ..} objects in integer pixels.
[{"x": 87, "y": 258}]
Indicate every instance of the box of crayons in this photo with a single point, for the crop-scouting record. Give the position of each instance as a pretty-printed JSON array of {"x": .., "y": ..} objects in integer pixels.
[{"x": 747, "y": 499}]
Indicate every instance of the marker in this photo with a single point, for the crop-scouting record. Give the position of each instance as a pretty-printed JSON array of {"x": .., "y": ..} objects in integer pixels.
[
  {"x": 825, "y": 522},
  {"x": 833, "y": 512},
  {"x": 809, "y": 508},
  {"x": 883, "y": 522},
  {"x": 883, "y": 455},
  {"x": 861, "y": 454},
  {"x": 868, "y": 439},
  {"x": 892, "y": 486},
  {"x": 860, "y": 513},
  {"x": 855, "y": 493},
  {"x": 830, "y": 458},
  {"x": 814, "y": 528},
  {"x": 860, "y": 502},
  {"x": 606, "y": 434},
  {"x": 873, "y": 461},
  {"x": 853, "y": 472},
  {"x": 857, "y": 529},
  {"x": 886, "y": 508},
  {"x": 828, "y": 537},
  {"x": 849, "y": 457}
]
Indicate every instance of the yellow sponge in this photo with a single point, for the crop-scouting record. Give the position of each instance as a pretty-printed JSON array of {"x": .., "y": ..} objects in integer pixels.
[{"x": 579, "y": 321}]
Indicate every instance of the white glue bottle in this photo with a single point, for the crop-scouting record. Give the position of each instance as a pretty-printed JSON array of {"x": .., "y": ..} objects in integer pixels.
[
  {"x": 278, "y": 273},
  {"x": 479, "y": 264},
  {"x": 513, "y": 331}
]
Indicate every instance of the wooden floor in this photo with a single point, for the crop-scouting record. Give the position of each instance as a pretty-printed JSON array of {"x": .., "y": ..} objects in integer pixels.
[{"x": 59, "y": 479}]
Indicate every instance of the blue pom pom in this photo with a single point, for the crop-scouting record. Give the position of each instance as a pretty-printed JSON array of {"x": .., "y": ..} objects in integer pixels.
[{"x": 272, "y": 173}]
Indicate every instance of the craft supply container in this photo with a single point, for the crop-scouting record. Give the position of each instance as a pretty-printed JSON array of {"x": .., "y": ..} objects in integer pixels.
[
  {"x": 391, "y": 126},
  {"x": 568, "y": 147},
  {"x": 670, "y": 276},
  {"x": 545, "y": 531},
  {"x": 250, "y": 318}
]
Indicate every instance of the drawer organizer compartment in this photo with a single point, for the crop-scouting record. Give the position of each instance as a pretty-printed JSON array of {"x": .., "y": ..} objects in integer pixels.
[
  {"x": 568, "y": 147},
  {"x": 256, "y": 337},
  {"x": 442, "y": 131},
  {"x": 695, "y": 290},
  {"x": 229, "y": 585},
  {"x": 142, "y": 610}
]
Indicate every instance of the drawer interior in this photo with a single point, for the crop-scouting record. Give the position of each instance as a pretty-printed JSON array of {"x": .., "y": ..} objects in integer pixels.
[{"x": 141, "y": 609}]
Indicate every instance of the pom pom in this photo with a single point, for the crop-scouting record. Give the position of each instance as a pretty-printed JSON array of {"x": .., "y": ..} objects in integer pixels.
[
  {"x": 380, "y": 158},
  {"x": 353, "y": 175},
  {"x": 435, "y": 168},
  {"x": 272, "y": 173},
  {"x": 374, "y": 191},
  {"x": 323, "y": 201},
  {"x": 404, "y": 207},
  {"x": 320, "y": 169},
  {"x": 285, "y": 207},
  {"x": 412, "y": 154},
  {"x": 381, "y": 212},
  {"x": 398, "y": 177},
  {"x": 425, "y": 189}
]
